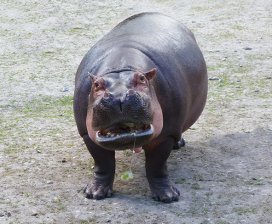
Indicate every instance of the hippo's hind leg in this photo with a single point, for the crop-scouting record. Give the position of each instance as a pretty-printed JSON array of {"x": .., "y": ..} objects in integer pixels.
[
  {"x": 179, "y": 144},
  {"x": 104, "y": 170},
  {"x": 156, "y": 171}
]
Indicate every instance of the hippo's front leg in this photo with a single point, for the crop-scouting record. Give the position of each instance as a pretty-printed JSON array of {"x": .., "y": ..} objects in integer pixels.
[
  {"x": 157, "y": 174},
  {"x": 104, "y": 170}
]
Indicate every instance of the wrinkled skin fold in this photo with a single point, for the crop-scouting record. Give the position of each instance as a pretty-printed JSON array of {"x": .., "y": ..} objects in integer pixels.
[{"x": 139, "y": 87}]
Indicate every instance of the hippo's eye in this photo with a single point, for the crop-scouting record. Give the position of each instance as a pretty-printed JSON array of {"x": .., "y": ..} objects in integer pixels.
[
  {"x": 99, "y": 84},
  {"x": 142, "y": 78},
  {"x": 96, "y": 85}
]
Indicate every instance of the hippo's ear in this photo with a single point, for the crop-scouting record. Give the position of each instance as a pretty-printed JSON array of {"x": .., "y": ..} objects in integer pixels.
[{"x": 151, "y": 74}]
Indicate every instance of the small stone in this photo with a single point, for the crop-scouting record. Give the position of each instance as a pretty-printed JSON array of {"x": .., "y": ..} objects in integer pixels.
[
  {"x": 64, "y": 89},
  {"x": 214, "y": 78},
  {"x": 247, "y": 48},
  {"x": 34, "y": 213},
  {"x": 56, "y": 199},
  {"x": 49, "y": 182},
  {"x": 63, "y": 160}
]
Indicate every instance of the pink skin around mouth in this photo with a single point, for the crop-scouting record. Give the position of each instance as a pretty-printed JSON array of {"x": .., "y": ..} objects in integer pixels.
[{"x": 137, "y": 150}]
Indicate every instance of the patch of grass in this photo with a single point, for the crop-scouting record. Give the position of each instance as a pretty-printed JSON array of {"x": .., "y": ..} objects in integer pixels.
[
  {"x": 255, "y": 182},
  {"x": 236, "y": 78},
  {"x": 76, "y": 30},
  {"x": 236, "y": 68},
  {"x": 48, "y": 107},
  {"x": 33, "y": 120},
  {"x": 245, "y": 210},
  {"x": 180, "y": 181},
  {"x": 198, "y": 177},
  {"x": 198, "y": 8},
  {"x": 222, "y": 222},
  {"x": 253, "y": 56},
  {"x": 195, "y": 186},
  {"x": 198, "y": 207},
  {"x": 226, "y": 35},
  {"x": 90, "y": 221},
  {"x": 215, "y": 68},
  {"x": 238, "y": 27},
  {"x": 48, "y": 54},
  {"x": 11, "y": 149}
]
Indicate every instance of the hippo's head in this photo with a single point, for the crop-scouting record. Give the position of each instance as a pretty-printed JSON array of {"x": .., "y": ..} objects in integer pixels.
[{"x": 123, "y": 110}]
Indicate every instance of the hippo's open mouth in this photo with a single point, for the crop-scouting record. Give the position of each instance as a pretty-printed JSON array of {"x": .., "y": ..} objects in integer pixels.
[{"x": 124, "y": 135}]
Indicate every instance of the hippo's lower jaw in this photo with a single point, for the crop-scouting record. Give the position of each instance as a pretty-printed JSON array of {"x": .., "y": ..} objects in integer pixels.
[{"x": 124, "y": 136}]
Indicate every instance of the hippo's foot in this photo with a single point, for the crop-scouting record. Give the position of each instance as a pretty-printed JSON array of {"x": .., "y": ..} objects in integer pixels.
[
  {"x": 179, "y": 144},
  {"x": 162, "y": 190},
  {"x": 98, "y": 190},
  {"x": 101, "y": 185}
]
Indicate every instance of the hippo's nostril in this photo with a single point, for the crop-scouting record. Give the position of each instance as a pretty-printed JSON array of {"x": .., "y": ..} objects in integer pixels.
[{"x": 121, "y": 105}]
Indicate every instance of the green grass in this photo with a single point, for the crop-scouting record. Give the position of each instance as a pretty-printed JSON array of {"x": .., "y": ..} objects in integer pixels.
[
  {"x": 77, "y": 30},
  {"x": 245, "y": 210},
  {"x": 24, "y": 125},
  {"x": 222, "y": 222},
  {"x": 195, "y": 186},
  {"x": 237, "y": 80},
  {"x": 48, "y": 107},
  {"x": 238, "y": 27},
  {"x": 255, "y": 182},
  {"x": 180, "y": 181}
]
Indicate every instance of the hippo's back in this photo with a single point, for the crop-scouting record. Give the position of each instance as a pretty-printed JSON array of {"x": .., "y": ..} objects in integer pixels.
[
  {"x": 150, "y": 24},
  {"x": 157, "y": 36}
]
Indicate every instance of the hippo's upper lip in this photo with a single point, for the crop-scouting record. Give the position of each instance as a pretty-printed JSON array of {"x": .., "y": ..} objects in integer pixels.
[{"x": 126, "y": 134}]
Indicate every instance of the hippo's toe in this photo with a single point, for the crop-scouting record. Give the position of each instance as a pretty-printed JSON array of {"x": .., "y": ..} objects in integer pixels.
[
  {"x": 179, "y": 144},
  {"x": 164, "y": 191},
  {"x": 98, "y": 191}
]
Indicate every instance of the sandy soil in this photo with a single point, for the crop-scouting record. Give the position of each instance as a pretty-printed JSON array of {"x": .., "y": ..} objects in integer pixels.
[{"x": 225, "y": 171}]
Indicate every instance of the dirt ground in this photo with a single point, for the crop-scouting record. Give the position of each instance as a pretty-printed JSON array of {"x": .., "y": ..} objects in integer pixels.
[{"x": 225, "y": 171}]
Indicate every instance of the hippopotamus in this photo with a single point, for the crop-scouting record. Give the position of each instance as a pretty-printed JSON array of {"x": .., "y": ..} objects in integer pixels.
[{"x": 139, "y": 87}]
